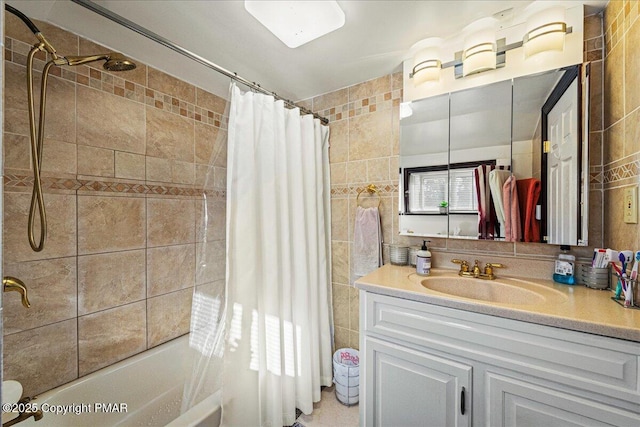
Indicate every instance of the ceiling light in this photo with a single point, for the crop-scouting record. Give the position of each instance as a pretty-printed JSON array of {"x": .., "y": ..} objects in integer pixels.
[
  {"x": 545, "y": 31},
  {"x": 297, "y": 22},
  {"x": 480, "y": 50},
  {"x": 426, "y": 62}
]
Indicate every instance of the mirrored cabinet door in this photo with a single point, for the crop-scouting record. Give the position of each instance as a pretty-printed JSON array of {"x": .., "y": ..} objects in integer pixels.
[
  {"x": 424, "y": 164},
  {"x": 479, "y": 160},
  {"x": 506, "y": 161}
]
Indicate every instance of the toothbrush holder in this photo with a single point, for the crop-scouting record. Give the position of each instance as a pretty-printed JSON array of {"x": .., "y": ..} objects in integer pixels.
[
  {"x": 595, "y": 278},
  {"x": 634, "y": 302}
]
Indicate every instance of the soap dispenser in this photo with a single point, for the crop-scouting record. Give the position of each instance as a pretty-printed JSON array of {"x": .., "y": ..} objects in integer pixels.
[
  {"x": 564, "y": 268},
  {"x": 423, "y": 260}
]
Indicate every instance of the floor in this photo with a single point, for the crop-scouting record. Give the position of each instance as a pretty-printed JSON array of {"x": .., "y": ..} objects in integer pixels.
[{"x": 330, "y": 412}]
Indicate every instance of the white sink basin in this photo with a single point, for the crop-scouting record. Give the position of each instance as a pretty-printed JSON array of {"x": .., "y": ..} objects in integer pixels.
[
  {"x": 11, "y": 393},
  {"x": 500, "y": 290}
]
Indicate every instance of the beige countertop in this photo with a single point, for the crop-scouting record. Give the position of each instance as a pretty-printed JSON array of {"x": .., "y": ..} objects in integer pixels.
[{"x": 563, "y": 306}]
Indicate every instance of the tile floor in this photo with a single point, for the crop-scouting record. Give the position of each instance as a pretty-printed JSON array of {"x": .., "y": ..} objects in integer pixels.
[{"x": 329, "y": 412}]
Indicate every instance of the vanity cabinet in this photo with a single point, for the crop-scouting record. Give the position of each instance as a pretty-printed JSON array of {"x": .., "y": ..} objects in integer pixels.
[{"x": 417, "y": 359}]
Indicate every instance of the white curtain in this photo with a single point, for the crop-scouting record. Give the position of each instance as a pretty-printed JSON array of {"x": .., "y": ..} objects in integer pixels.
[{"x": 279, "y": 318}]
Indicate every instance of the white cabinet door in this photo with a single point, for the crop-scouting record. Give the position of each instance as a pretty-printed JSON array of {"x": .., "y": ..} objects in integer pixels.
[
  {"x": 405, "y": 387},
  {"x": 517, "y": 403}
]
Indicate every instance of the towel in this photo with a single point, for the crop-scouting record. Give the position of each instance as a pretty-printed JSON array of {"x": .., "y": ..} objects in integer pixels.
[
  {"x": 528, "y": 195},
  {"x": 367, "y": 241},
  {"x": 497, "y": 179},
  {"x": 487, "y": 220},
  {"x": 512, "y": 225}
]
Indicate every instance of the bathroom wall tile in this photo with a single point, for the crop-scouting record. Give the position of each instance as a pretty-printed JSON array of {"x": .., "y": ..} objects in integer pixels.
[
  {"x": 338, "y": 173},
  {"x": 220, "y": 177},
  {"x": 95, "y": 161},
  {"x": 631, "y": 66},
  {"x": 378, "y": 169},
  {"x": 596, "y": 236},
  {"x": 214, "y": 211},
  {"x": 15, "y": 28},
  {"x": 170, "y": 221},
  {"x": 354, "y": 308},
  {"x": 388, "y": 209},
  {"x": 339, "y": 218},
  {"x": 210, "y": 261},
  {"x": 51, "y": 286},
  {"x": 107, "y": 224},
  {"x": 397, "y": 81},
  {"x": 157, "y": 169},
  {"x": 109, "y": 336},
  {"x": 369, "y": 136},
  {"x": 595, "y": 148},
  {"x": 168, "y": 316},
  {"x": 632, "y": 132},
  {"x": 331, "y": 99},
  {"x": 61, "y": 235},
  {"x": 613, "y": 144},
  {"x": 395, "y": 131},
  {"x": 61, "y": 104},
  {"x": 137, "y": 75},
  {"x": 207, "y": 143},
  {"x": 354, "y": 340},
  {"x": 183, "y": 172},
  {"x": 341, "y": 338},
  {"x": 614, "y": 86},
  {"x": 596, "y": 106},
  {"x": 17, "y": 152},
  {"x": 171, "y": 86},
  {"x": 169, "y": 136},
  {"x": 130, "y": 166},
  {"x": 39, "y": 358},
  {"x": 65, "y": 43},
  {"x": 306, "y": 103},
  {"x": 340, "y": 299},
  {"x": 370, "y": 88},
  {"x": 59, "y": 157},
  {"x": 102, "y": 286},
  {"x": 592, "y": 26},
  {"x": 339, "y": 141},
  {"x": 110, "y": 121},
  {"x": 340, "y": 262},
  {"x": 210, "y": 101},
  {"x": 356, "y": 172},
  {"x": 481, "y": 246},
  {"x": 170, "y": 268}
]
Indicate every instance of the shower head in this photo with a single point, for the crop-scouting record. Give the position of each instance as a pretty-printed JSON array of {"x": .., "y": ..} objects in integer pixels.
[
  {"x": 118, "y": 62},
  {"x": 113, "y": 61}
]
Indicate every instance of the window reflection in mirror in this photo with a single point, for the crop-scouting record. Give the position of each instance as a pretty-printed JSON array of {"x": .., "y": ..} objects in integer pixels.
[{"x": 481, "y": 151}]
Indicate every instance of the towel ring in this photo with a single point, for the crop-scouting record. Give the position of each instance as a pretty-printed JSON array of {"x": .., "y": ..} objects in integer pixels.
[{"x": 371, "y": 189}]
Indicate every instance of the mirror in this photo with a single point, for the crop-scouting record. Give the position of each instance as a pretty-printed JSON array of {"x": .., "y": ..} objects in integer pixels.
[{"x": 481, "y": 151}]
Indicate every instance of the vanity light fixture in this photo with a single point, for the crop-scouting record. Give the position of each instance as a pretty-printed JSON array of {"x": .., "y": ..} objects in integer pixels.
[
  {"x": 297, "y": 22},
  {"x": 480, "y": 50},
  {"x": 426, "y": 62},
  {"x": 546, "y": 31}
]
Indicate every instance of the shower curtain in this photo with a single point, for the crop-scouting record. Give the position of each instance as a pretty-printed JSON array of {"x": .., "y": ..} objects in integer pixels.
[{"x": 279, "y": 317}]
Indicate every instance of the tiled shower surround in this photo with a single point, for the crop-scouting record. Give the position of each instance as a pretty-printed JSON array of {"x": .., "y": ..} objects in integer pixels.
[{"x": 125, "y": 160}]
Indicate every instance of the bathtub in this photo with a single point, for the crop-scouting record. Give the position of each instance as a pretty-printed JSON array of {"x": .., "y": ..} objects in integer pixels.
[{"x": 143, "y": 390}]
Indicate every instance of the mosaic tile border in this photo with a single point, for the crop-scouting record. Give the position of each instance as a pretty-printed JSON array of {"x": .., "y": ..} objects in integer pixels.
[
  {"x": 346, "y": 190},
  {"x": 621, "y": 172},
  {"x": 362, "y": 106},
  {"x": 16, "y": 51},
  {"x": 50, "y": 183}
]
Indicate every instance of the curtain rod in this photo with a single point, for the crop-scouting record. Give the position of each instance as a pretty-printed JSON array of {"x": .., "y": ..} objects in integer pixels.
[{"x": 169, "y": 44}]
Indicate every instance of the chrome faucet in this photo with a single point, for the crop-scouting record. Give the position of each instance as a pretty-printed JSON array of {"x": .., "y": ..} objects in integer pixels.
[
  {"x": 37, "y": 415},
  {"x": 475, "y": 271}
]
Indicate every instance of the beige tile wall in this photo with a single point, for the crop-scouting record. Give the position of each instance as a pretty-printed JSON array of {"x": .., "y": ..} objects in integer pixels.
[
  {"x": 621, "y": 119},
  {"x": 126, "y": 158},
  {"x": 364, "y": 149}
]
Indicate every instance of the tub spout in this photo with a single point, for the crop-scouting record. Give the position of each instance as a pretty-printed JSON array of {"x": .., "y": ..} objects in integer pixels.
[
  {"x": 12, "y": 284},
  {"x": 37, "y": 415}
]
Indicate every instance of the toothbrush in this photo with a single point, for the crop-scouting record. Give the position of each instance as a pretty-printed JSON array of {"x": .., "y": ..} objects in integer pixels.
[
  {"x": 621, "y": 285},
  {"x": 634, "y": 270}
]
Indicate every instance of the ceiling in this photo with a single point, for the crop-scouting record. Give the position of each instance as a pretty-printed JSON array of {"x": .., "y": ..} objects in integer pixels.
[{"x": 374, "y": 41}]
